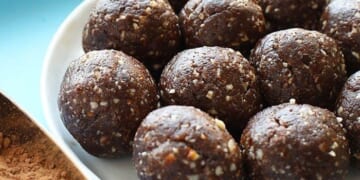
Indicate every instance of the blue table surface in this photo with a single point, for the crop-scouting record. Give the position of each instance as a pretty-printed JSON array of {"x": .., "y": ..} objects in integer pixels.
[{"x": 26, "y": 30}]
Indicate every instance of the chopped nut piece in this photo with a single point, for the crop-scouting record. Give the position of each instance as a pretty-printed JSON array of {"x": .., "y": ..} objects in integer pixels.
[
  {"x": 220, "y": 124},
  {"x": 169, "y": 159},
  {"x": 193, "y": 155},
  {"x": 219, "y": 171},
  {"x": 232, "y": 145}
]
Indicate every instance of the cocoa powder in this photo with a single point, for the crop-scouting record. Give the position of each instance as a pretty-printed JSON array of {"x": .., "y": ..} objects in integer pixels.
[{"x": 26, "y": 152}]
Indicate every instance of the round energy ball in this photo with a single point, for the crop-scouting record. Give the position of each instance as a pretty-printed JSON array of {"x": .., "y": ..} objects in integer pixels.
[
  {"x": 341, "y": 21},
  {"x": 217, "y": 80},
  {"x": 147, "y": 30},
  {"x": 348, "y": 107},
  {"x": 292, "y": 141},
  {"x": 103, "y": 98},
  {"x": 283, "y": 14},
  {"x": 235, "y": 24},
  {"x": 186, "y": 143},
  {"x": 301, "y": 64}
]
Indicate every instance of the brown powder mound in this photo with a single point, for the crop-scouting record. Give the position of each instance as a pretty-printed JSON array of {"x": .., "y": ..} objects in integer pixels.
[{"x": 26, "y": 152}]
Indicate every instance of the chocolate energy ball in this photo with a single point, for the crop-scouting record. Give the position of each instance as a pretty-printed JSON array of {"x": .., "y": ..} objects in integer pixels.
[
  {"x": 180, "y": 142},
  {"x": 145, "y": 29},
  {"x": 217, "y": 80},
  {"x": 177, "y": 4},
  {"x": 103, "y": 98},
  {"x": 348, "y": 107},
  {"x": 283, "y": 14},
  {"x": 236, "y": 24},
  {"x": 292, "y": 141},
  {"x": 341, "y": 20},
  {"x": 301, "y": 64}
]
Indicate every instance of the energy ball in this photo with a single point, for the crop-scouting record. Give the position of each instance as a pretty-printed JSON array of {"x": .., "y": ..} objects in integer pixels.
[
  {"x": 145, "y": 29},
  {"x": 348, "y": 107},
  {"x": 292, "y": 141},
  {"x": 217, "y": 80},
  {"x": 185, "y": 143},
  {"x": 301, "y": 64},
  {"x": 341, "y": 21},
  {"x": 235, "y": 24},
  {"x": 283, "y": 14},
  {"x": 103, "y": 98},
  {"x": 178, "y": 4}
]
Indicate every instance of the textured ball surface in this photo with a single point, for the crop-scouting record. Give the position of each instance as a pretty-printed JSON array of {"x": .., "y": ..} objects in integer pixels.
[
  {"x": 348, "y": 107},
  {"x": 292, "y": 141},
  {"x": 185, "y": 143},
  {"x": 103, "y": 98},
  {"x": 145, "y": 29},
  {"x": 301, "y": 64},
  {"x": 341, "y": 21},
  {"x": 217, "y": 80},
  {"x": 235, "y": 24}
]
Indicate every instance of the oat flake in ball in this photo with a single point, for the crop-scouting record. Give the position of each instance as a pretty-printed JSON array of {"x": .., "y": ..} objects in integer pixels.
[
  {"x": 292, "y": 141},
  {"x": 341, "y": 21},
  {"x": 228, "y": 23},
  {"x": 103, "y": 98},
  {"x": 180, "y": 142},
  {"x": 301, "y": 64},
  {"x": 348, "y": 107},
  {"x": 217, "y": 80},
  {"x": 145, "y": 29}
]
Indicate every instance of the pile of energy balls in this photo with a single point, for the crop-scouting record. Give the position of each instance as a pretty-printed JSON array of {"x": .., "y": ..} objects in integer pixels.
[{"x": 219, "y": 89}]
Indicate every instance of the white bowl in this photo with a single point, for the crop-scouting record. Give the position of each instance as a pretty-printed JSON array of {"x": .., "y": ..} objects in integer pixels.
[{"x": 66, "y": 46}]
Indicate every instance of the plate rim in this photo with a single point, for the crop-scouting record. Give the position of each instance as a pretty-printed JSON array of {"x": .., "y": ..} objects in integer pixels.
[{"x": 44, "y": 78}]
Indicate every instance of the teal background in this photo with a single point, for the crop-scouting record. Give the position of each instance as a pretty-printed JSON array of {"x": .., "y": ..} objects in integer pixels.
[{"x": 26, "y": 30}]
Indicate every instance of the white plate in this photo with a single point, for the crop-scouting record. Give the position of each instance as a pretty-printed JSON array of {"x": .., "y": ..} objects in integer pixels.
[{"x": 66, "y": 46}]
